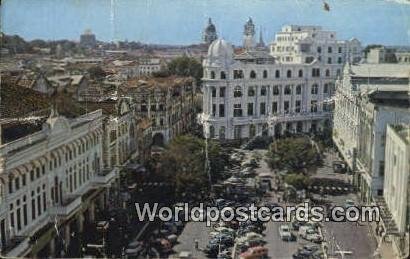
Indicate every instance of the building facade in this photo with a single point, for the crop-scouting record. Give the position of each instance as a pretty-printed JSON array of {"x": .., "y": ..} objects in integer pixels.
[
  {"x": 169, "y": 103},
  {"x": 368, "y": 97},
  {"x": 52, "y": 179},
  {"x": 397, "y": 186},
  {"x": 286, "y": 89}
]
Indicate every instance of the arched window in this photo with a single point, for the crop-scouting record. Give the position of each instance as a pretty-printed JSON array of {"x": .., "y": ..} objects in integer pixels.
[
  {"x": 314, "y": 89},
  {"x": 339, "y": 60},
  {"x": 265, "y": 74},
  {"x": 263, "y": 90},
  {"x": 237, "y": 91},
  {"x": 212, "y": 75},
  {"x": 223, "y": 75},
  {"x": 300, "y": 73},
  {"x": 275, "y": 90},
  {"x": 327, "y": 72},
  {"x": 252, "y": 74},
  {"x": 289, "y": 74},
  {"x": 251, "y": 91},
  {"x": 277, "y": 73}
]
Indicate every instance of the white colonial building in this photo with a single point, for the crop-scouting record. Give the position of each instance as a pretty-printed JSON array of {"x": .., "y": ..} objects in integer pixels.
[
  {"x": 397, "y": 187},
  {"x": 369, "y": 97},
  {"x": 270, "y": 92}
]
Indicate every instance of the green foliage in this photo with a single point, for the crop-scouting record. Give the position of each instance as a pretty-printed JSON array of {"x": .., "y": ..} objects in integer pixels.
[
  {"x": 183, "y": 164},
  {"x": 185, "y": 66},
  {"x": 293, "y": 154},
  {"x": 299, "y": 181}
]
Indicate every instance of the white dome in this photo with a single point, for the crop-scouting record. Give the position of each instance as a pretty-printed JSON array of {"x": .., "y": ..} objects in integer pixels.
[{"x": 220, "y": 52}]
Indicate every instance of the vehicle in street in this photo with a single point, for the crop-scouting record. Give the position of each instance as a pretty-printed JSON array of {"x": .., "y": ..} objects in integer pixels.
[
  {"x": 285, "y": 233},
  {"x": 310, "y": 234},
  {"x": 255, "y": 253}
]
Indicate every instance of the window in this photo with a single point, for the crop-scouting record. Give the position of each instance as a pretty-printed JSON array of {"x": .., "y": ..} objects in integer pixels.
[
  {"x": 251, "y": 91},
  {"x": 319, "y": 49},
  {"x": 309, "y": 60},
  {"x": 289, "y": 74},
  {"x": 213, "y": 92},
  {"x": 212, "y": 75},
  {"x": 300, "y": 73},
  {"x": 237, "y": 74},
  {"x": 338, "y": 72},
  {"x": 221, "y": 110},
  {"x": 265, "y": 74},
  {"x": 211, "y": 131},
  {"x": 288, "y": 90},
  {"x": 237, "y": 110},
  {"x": 299, "y": 89},
  {"x": 262, "y": 108},
  {"x": 252, "y": 74},
  {"x": 237, "y": 92},
  {"x": 222, "y": 92},
  {"x": 313, "y": 106},
  {"x": 329, "y": 60},
  {"x": 277, "y": 74},
  {"x": 286, "y": 106},
  {"x": 326, "y": 88},
  {"x": 263, "y": 90},
  {"x": 297, "y": 106},
  {"x": 250, "y": 109},
  {"x": 329, "y": 50},
  {"x": 327, "y": 72},
  {"x": 275, "y": 90},
  {"x": 274, "y": 107},
  {"x": 314, "y": 89},
  {"x": 339, "y": 50},
  {"x": 315, "y": 72},
  {"x": 339, "y": 60},
  {"x": 223, "y": 75},
  {"x": 213, "y": 109}
]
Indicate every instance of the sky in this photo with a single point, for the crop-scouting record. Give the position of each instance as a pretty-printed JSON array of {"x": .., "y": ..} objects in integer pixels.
[{"x": 182, "y": 21}]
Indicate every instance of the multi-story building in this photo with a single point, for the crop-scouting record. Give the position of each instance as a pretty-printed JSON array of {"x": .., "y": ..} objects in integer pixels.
[
  {"x": 368, "y": 97},
  {"x": 286, "y": 89},
  {"x": 377, "y": 55},
  {"x": 148, "y": 65},
  {"x": 396, "y": 198},
  {"x": 168, "y": 102},
  {"x": 52, "y": 183}
]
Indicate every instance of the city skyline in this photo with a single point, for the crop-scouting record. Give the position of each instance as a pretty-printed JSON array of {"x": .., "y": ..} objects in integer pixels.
[{"x": 120, "y": 20}]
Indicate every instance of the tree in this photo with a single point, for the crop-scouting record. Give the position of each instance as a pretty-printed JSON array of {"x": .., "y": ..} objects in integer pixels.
[
  {"x": 186, "y": 66},
  {"x": 293, "y": 154},
  {"x": 183, "y": 164},
  {"x": 299, "y": 181}
]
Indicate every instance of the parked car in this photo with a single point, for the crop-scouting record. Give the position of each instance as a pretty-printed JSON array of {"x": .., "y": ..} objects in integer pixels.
[
  {"x": 284, "y": 233},
  {"x": 255, "y": 253}
]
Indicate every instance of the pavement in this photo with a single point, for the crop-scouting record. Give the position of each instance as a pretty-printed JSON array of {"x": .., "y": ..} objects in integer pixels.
[{"x": 193, "y": 231}]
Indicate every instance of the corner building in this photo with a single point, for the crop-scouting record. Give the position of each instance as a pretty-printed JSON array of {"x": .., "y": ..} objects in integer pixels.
[{"x": 269, "y": 92}]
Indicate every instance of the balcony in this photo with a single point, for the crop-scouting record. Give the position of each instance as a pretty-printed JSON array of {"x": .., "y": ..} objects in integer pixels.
[
  {"x": 106, "y": 176},
  {"x": 67, "y": 207}
]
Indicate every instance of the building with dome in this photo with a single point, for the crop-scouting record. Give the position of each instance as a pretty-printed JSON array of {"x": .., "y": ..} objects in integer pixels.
[
  {"x": 268, "y": 92},
  {"x": 209, "y": 34},
  {"x": 88, "y": 39}
]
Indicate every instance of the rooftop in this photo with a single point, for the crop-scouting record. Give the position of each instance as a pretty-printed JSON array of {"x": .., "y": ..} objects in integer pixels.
[
  {"x": 380, "y": 70},
  {"x": 159, "y": 82}
]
